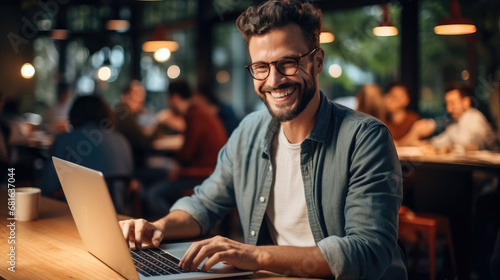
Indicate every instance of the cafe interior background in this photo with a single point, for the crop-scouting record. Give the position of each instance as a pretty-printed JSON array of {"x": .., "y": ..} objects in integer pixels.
[{"x": 99, "y": 46}]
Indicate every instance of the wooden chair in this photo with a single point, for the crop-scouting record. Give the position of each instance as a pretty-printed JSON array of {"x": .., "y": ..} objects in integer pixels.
[
  {"x": 414, "y": 228},
  {"x": 125, "y": 193}
]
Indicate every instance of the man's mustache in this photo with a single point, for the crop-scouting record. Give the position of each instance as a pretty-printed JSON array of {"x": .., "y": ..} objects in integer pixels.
[{"x": 282, "y": 86}]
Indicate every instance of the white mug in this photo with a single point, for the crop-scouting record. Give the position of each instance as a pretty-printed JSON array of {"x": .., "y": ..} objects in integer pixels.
[{"x": 28, "y": 202}]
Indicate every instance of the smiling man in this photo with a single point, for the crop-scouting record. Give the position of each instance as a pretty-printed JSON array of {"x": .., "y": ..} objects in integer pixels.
[{"x": 317, "y": 186}]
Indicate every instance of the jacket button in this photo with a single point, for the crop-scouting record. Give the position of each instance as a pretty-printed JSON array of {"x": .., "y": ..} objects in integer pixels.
[
  {"x": 252, "y": 233},
  {"x": 262, "y": 199}
]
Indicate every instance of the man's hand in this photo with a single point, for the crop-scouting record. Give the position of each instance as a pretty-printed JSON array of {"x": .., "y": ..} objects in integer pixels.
[
  {"x": 139, "y": 231},
  {"x": 221, "y": 249}
]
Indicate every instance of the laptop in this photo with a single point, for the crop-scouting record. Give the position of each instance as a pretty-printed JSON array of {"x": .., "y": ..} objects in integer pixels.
[{"x": 97, "y": 222}]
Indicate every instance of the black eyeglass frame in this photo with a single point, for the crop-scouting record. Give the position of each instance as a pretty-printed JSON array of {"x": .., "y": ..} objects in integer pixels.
[{"x": 297, "y": 59}]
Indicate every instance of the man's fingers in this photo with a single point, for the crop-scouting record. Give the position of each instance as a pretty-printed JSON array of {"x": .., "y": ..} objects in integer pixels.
[
  {"x": 157, "y": 237},
  {"x": 125, "y": 225},
  {"x": 187, "y": 259},
  {"x": 138, "y": 229},
  {"x": 218, "y": 257},
  {"x": 198, "y": 251},
  {"x": 204, "y": 252}
]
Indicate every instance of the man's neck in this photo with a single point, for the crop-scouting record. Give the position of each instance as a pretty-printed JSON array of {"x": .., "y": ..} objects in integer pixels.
[
  {"x": 398, "y": 117},
  {"x": 297, "y": 129},
  {"x": 186, "y": 106}
]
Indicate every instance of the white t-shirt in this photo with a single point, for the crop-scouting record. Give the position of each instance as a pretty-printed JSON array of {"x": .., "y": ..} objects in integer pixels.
[{"x": 287, "y": 210}]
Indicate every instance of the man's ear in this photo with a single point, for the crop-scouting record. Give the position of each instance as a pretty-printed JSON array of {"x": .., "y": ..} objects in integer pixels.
[
  {"x": 319, "y": 59},
  {"x": 466, "y": 101}
]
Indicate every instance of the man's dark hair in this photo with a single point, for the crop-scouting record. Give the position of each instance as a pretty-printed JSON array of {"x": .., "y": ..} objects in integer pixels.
[
  {"x": 258, "y": 20},
  {"x": 396, "y": 84},
  {"x": 464, "y": 89},
  {"x": 90, "y": 108},
  {"x": 181, "y": 88}
]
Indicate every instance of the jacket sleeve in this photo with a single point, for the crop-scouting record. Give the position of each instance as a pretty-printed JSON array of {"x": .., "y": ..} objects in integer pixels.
[{"x": 372, "y": 203}]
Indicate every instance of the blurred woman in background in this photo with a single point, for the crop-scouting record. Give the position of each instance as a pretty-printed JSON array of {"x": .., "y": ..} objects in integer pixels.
[{"x": 371, "y": 101}]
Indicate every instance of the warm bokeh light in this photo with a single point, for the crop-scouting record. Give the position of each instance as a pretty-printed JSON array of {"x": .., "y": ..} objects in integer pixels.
[
  {"x": 335, "y": 70},
  {"x": 326, "y": 37},
  {"x": 27, "y": 71},
  {"x": 455, "y": 29},
  {"x": 162, "y": 55},
  {"x": 104, "y": 73},
  {"x": 152, "y": 46},
  {"x": 59, "y": 34},
  {"x": 173, "y": 71},
  {"x": 223, "y": 77},
  {"x": 465, "y": 75},
  {"x": 384, "y": 31},
  {"x": 117, "y": 24}
]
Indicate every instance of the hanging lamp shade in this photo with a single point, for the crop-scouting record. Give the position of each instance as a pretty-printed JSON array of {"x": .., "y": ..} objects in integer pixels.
[
  {"x": 385, "y": 28},
  {"x": 119, "y": 19},
  {"x": 455, "y": 24},
  {"x": 59, "y": 32},
  {"x": 326, "y": 36},
  {"x": 159, "y": 40},
  {"x": 117, "y": 24}
]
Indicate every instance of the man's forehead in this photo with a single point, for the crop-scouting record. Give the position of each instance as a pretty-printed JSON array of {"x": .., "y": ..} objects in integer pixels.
[
  {"x": 279, "y": 39},
  {"x": 452, "y": 94}
]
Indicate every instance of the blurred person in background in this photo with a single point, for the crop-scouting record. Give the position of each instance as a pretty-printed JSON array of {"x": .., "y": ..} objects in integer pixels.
[
  {"x": 207, "y": 96},
  {"x": 469, "y": 128},
  {"x": 56, "y": 117},
  {"x": 204, "y": 136},
  {"x": 405, "y": 126},
  {"x": 399, "y": 118},
  {"x": 19, "y": 128},
  {"x": 92, "y": 142},
  {"x": 140, "y": 139},
  {"x": 370, "y": 100}
]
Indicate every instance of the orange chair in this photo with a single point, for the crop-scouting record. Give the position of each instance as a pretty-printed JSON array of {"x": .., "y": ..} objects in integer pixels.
[{"x": 415, "y": 227}]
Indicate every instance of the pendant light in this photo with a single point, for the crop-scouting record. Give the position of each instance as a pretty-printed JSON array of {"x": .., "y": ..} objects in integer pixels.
[
  {"x": 455, "y": 24},
  {"x": 385, "y": 28},
  {"x": 159, "y": 40}
]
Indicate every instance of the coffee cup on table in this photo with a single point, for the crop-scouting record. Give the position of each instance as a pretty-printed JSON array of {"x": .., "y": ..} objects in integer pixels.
[{"x": 28, "y": 202}]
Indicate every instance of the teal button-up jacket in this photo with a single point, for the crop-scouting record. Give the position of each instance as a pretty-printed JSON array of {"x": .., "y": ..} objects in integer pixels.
[{"x": 352, "y": 184}]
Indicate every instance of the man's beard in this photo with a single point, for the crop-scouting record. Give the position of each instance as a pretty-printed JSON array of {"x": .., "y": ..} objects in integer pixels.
[{"x": 305, "y": 96}]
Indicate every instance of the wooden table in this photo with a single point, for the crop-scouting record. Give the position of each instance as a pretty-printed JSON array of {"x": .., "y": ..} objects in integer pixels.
[
  {"x": 51, "y": 248},
  {"x": 466, "y": 161}
]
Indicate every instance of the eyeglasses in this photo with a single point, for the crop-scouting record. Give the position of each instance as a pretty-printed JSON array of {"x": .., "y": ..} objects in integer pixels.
[{"x": 286, "y": 66}]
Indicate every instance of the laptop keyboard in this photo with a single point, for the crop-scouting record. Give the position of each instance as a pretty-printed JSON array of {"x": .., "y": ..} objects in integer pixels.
[{"x": 155, "y": 262}]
